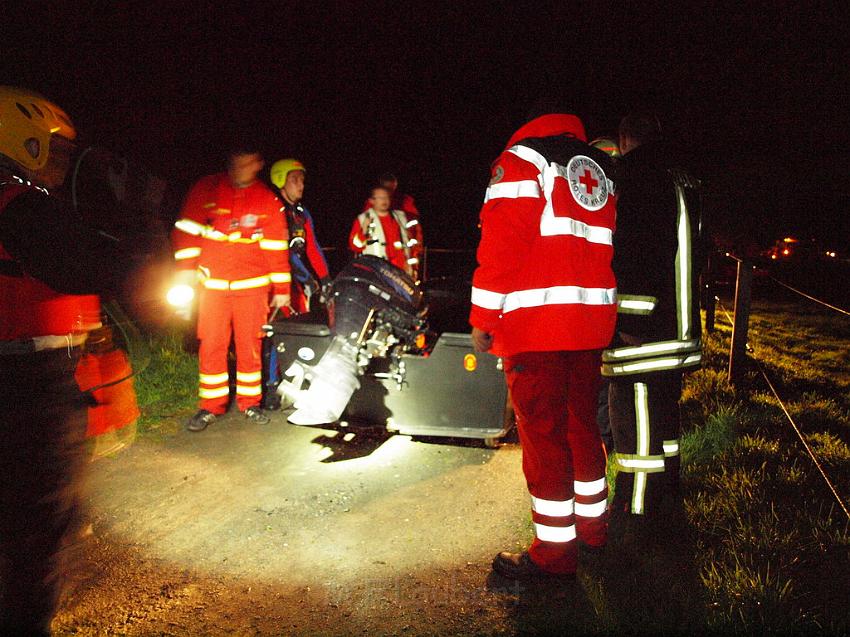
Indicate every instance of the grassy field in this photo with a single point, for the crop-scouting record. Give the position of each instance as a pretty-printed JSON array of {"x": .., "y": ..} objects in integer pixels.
[{"x": 760, "y": 545}]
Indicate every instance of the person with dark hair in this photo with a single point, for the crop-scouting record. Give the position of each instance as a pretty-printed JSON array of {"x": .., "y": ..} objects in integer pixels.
[
  {"x": 383, "y": 232},
  {"x": 232, "y": 239},
  {"x": 544, "y": 299},
  {"x": 658, "y": 322}
]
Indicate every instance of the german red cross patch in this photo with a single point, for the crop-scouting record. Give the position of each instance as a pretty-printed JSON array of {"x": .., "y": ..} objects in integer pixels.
[{"x": 588, "y": 184}]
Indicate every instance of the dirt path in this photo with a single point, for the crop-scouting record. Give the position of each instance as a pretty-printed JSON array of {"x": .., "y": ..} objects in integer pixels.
[{"x": 278, "y": 530}]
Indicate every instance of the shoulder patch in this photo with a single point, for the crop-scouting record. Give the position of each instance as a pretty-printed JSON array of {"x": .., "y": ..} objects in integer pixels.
[
  {"x": 588, "y": 183},
  {"x": 498, "y": 174}
]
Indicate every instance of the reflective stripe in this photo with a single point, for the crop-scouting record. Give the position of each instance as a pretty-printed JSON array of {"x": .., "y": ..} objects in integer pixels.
[
  {"x": 412, "y": 242},
  {"x": 642, "y": 446},
  {"x": 273, "y": 244},
  {"x": 357, "y": 242},
  {"x": 589, "y": 488},
  {"x": 654, "y": 365},
  {"x": 671, "y": 448},
  {"x": 280, "y": 277},
  {"x": 559, "y": 295},
  {"x": 530, "y": 155},
  {"x": 249, "y": 377},
  {"x": 243, "y": 284},
  {"x": 213, "y": 379},
  {"x": 190, "y": 227},
  {"x": 187, "y": 253},
  {"x": 651, "y": 349},
  {"x": 632, "y": 463},
  {"x": 487, "y": 299},
  {"x": 209, "y": 205},
  {"x": 550, "y": 226},
  {"x": 632, "y": 304},
  {"x": 552, "y": 508},
  {"x": 513, "y": 190},
  {"x": 397, "y": 244},
  {"x": 683, "y": 266},
  {"x": 555, "y": 533},
  {"x": 411, "y": 223},
  {"x": 246, "y": 284},
  {"x": 249, "y": 390},
  {"x": 594, "y": 510},
  {"x": 412, "y": 261},
  {"x": 203, "y": 392}
]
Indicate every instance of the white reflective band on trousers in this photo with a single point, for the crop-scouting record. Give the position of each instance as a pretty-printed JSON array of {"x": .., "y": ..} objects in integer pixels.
[
  {"x": 589, "y": 489},
  {"x": 593, "y": 487},
  {"x": 551, "y": 225},
  {"x": 594, "y": 510},
  {"x": 671, "y": 448},
  {"x": 555, "y": 533},
  {"x": 552, "y": 508}
]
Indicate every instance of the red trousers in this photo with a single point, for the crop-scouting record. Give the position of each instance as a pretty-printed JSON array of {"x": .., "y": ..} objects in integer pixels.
[
  {"x": 220, "y": 315},
  {"x": 554, "y": 396}
]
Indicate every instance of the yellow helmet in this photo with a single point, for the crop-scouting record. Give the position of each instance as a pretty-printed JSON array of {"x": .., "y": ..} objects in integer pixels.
[
  {"x": 281, "y": 168},
  {"x": 27, "y": 121},
  {"x": 607, "y": 146}
]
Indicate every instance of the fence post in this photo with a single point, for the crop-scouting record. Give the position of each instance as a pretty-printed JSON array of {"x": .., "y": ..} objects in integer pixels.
[{"x": 741, "y": 323}]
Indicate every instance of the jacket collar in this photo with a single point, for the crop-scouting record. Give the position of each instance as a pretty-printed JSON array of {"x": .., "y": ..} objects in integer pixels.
[{"x": 548, "y": 126}]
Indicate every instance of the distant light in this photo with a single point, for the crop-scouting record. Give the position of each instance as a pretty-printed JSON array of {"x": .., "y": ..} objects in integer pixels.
[
  {"x": 180, "y": 295},
  {"x": 786, "y": 251},
  {"x": 789, "y": 240},
  {"x": 830, "y": 254},
  {"x": 470, "y": 362},
  {"x": 773, "y": 256}
]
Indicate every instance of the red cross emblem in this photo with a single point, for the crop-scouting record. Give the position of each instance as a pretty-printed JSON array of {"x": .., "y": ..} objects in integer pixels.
[{"x": 588, "y": 181}]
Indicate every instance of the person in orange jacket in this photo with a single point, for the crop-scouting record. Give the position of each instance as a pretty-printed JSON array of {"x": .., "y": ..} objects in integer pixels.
[
  {"x": 383, "y": 232},
  {"x": 544, "y": 299},
  {"x": 231, "y": 238}
]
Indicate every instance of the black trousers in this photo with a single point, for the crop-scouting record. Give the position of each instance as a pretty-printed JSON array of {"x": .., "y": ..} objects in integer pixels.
[
  {"x": 42, "y": 459},
  {"x": 645, "y": 421}
]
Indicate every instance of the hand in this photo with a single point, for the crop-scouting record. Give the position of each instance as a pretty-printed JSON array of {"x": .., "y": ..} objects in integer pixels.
[
  {"x": 281, "y": 301},
  {"x": 481, "y": 340}
]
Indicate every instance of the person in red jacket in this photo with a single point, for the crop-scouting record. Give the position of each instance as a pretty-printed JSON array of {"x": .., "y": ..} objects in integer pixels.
[
  {"x": 405, "y": 203},
  {"x": 231, "y": 237},
  {"x": 544, "y": 299},
  {"x": 383, "y": 232}
]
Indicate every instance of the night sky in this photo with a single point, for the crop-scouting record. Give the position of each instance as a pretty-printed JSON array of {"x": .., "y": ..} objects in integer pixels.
[{"x": 756, "y": 98}]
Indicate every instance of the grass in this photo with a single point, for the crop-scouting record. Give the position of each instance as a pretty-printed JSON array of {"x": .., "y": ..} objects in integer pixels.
[{"x": 167, "y": 387}]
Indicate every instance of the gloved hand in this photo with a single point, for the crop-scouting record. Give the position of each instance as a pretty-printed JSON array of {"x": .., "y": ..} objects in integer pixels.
[{"x": 325, "y": 289}]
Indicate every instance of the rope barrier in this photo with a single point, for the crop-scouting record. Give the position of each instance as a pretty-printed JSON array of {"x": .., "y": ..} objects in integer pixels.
[
  {"x": 799, "y": 433},
  {"x": 832, "y": 307}
]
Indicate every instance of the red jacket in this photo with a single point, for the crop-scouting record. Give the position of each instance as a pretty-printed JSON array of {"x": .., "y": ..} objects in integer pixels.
[
  {"x": 28, "y": 307},
  {"x": 364, "y": 240},
  {"x": 544, "y": 280},
  {"x": 235, "y": 237}
]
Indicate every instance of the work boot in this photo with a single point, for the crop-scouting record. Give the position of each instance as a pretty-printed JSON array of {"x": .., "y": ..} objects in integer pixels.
[
  {"x": 520, "y": 566},
  {"x": 200, "y": 420},
  {"x": 256, "y": 415}
]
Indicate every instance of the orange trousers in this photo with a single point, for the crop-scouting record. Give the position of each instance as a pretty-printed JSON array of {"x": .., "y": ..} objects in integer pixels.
[{"x": 222, "y": 314}]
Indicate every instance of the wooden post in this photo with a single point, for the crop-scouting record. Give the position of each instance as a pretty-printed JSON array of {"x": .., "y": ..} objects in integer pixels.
[{"x": 738, "y": 351}]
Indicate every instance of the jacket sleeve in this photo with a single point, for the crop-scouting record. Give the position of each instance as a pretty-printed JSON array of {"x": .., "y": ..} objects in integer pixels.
[
  {"x": 188, "y": 232},
  {"x": 356, "y": 238},
  {"x": 275, "y": 247},
  {"x": 510, "y": 216},
  {"x": 314, "y": 250}
]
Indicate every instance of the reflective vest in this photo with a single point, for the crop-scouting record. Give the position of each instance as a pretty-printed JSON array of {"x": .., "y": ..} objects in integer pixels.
[
  {"x": 369, "y": 235},
  {"x": 235, "y": 237},
  {"x": 31, "y": 310},
  {"x": 544, "y": 280},
  {"x": 659, "y": 313}
]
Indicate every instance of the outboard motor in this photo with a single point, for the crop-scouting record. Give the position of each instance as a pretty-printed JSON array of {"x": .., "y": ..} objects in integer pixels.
[{"x": 375, "y": 310}]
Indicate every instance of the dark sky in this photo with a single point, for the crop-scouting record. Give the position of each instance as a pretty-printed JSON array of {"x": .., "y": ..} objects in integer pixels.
[{"x": 756, "y": 97}]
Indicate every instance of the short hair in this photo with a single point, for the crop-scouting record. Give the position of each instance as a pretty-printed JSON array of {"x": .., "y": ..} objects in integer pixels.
[
  {"x": 641, "y": 127},
  {"x": 375, "y": 187},
  {"x": 387, "y": 177}
]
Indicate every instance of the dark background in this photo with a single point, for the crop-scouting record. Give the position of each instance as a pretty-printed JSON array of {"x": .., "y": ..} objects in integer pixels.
[{"x": 756, "y": 97}]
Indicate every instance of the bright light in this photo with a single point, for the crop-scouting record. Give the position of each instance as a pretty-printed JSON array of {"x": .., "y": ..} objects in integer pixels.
[
  {"x": 180, "y": 295},
  {"x": 786, "y": 251},
  {"x": 830, "y": 254}
]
